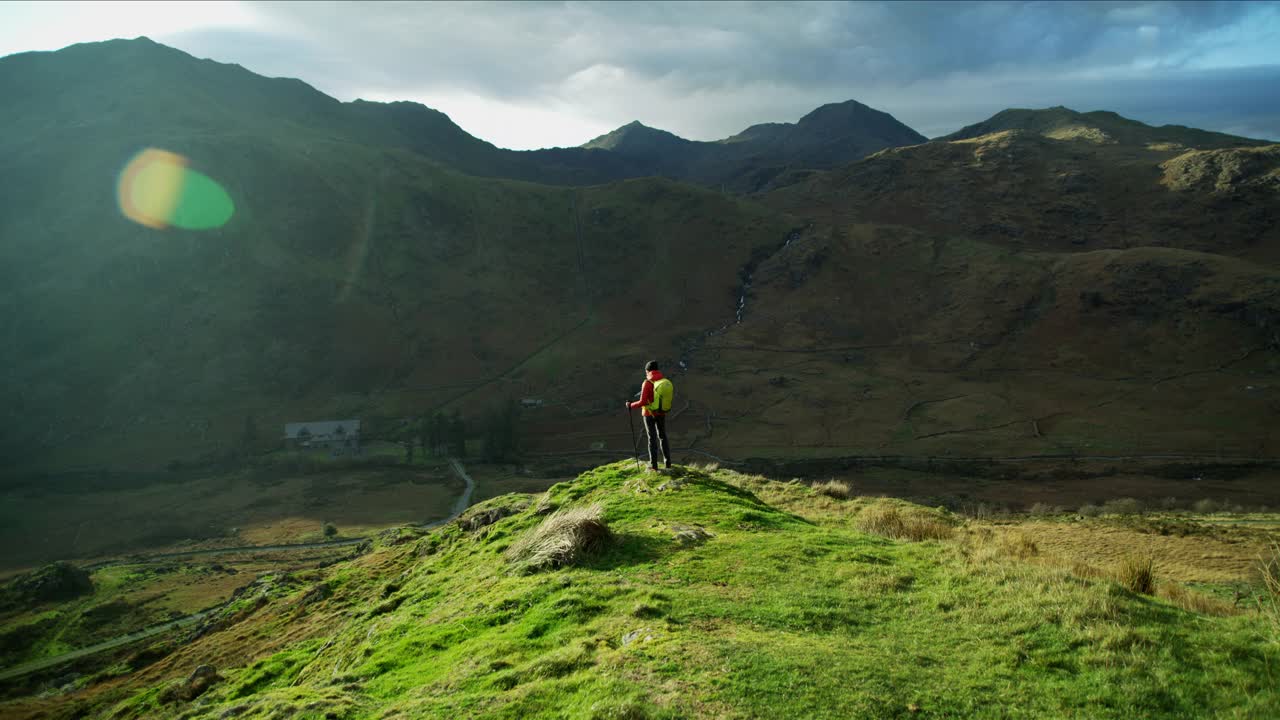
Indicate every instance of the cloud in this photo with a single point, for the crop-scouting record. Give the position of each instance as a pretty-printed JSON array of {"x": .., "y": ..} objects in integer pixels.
[{"x": 706, "y": 70}]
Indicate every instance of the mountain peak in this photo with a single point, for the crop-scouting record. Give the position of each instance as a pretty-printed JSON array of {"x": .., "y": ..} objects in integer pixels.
[
  {"x": 841, "y": 110},
  {"x": 636, "y": 137}
]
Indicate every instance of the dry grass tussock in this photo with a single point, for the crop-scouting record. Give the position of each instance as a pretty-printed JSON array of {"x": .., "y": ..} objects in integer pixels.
[
  {"x": 1269, "y": 601},
  {"x": 564, "y": 538},
  {"x": 837, "y": 489},
  {"x": 1197, "y": 602},
  {"x": 1019, "y": 545},
  {"x": 983, "y": 545},
  {"x": 1085, "y": 571},
  {"x": 890, "y": 522},
  {"x": 1137, "y": 574}
]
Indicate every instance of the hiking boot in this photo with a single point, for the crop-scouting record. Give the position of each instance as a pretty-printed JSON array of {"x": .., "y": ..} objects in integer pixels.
[{"x": 653, "y": 468}]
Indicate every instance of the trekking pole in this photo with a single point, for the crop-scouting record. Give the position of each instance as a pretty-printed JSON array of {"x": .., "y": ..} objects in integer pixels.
[{"x": 635, "y": 451}]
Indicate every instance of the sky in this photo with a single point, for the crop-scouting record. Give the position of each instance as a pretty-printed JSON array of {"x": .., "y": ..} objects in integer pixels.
[{"x": 526, "y": 75}]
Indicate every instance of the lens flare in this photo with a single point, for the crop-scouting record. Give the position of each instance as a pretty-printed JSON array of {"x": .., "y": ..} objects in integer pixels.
[{"x": 158, "y": 189}]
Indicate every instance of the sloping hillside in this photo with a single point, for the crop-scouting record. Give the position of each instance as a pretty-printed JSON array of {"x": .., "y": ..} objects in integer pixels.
[
  {"x": 353, "y": 278},
  {"x": 883, "y": 340},
  {"x": 713, "y": 595},
  {"x": 1031, "y": 192},
  {"x": 351, "y": 281},
  {"x": 1012, "y": 294}
]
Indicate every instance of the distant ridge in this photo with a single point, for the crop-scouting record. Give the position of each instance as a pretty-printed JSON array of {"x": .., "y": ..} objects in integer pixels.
[
  {"x": 828, "y": 137},
  {"x": 1098, "y": 126}
]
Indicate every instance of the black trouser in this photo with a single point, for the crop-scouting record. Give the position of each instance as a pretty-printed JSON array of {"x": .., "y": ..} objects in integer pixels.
[{"x": 655, "y": 426}]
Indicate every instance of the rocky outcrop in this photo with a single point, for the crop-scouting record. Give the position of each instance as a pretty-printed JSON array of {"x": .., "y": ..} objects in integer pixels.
[
  {"x": 1224, "y": 171},
  {"x": 57, "y": 581}
]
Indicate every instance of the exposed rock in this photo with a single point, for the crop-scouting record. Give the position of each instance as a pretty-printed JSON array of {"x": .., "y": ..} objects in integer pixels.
[
  {"x": 641, "y": 634},
  {"x": 485, "y": 518},
  {"x": 396, "y": 536},
  {"x": 672, "y": 484},
  {"x": 200, "y": 680},
  {"x": 317, "y": 593},
  {"x": 690, "y": 534},
  {"x": 1224, "y": 171},
  {"x": 202, "y": 672}
]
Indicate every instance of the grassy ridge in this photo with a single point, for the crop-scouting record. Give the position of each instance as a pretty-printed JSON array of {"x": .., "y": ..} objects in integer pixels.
[{"x": 789, "y": 612}]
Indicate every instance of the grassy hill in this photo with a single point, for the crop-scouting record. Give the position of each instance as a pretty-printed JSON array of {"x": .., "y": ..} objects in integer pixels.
[{"x": 712, "y": 594}]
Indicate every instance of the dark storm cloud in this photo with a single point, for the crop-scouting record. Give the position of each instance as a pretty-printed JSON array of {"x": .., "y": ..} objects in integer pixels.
[{"x": 708, "y": 69}]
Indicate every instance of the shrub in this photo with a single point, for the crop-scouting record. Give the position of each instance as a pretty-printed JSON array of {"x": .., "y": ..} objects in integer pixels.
[
  {"x": 1137, "y": 574},
  {"x": 889, "y": 522},
  {"x": 1041, "y": 509},
  {"x": 330, "y": 530},
  {"x": 1205, "y": 506},
  {"x": 1170, "y": 503},
  {"x": 564, "y": 538},
  {"x": 1090, "y": 510},
  {"x": 982, "y": 511},
  {"x": 837, "y": 489},
  {"x": 1122, "y": 506}
]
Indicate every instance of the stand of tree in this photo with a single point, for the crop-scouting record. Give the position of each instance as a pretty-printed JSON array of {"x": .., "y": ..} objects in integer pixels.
[
  {"x": 501, "y": 433},
  {"x": 441, "y": 435}
]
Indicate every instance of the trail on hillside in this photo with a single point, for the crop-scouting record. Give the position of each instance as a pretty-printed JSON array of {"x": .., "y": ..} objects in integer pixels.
[
  {"x": 460, "y": 506},
  {"x": 20, "y": 670}
]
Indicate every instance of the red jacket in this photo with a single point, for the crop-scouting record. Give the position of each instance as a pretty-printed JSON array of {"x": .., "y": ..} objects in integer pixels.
[{"x": 646, "y": 392}]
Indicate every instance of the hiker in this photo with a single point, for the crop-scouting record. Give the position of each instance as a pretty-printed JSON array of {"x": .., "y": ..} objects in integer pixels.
[{"x": 656, "y": 395}]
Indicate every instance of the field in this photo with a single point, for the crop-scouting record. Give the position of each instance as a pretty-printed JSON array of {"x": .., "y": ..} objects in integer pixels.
[{"x": 255, "y": 506}]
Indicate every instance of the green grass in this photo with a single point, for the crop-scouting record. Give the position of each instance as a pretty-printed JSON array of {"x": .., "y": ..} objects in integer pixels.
[{"x": 775, "y": 615}]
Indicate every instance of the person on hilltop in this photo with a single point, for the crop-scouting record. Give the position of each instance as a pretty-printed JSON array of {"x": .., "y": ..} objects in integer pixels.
[{"x": 656, "y": 396}]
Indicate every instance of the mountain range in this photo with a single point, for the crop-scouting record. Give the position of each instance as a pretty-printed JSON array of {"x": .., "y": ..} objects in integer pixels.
[{"x": 1045, "y": 282}]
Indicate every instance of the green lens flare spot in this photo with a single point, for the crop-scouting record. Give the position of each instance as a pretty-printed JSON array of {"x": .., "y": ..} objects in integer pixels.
[
  {"x": 203, "y": 204},
  {"x": 158, "y": 189}
]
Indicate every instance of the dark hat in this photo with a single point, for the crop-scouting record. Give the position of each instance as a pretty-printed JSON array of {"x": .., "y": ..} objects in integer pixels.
[{"x": 651, "y": 366}]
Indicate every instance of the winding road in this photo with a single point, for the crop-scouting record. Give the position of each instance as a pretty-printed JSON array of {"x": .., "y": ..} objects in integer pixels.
[{"x": 459, "y": 507}]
